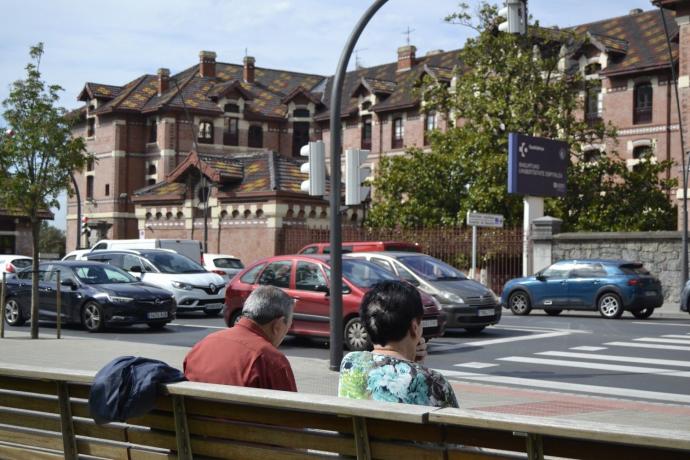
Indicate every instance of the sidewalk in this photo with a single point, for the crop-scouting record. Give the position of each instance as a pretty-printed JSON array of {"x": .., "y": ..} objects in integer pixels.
[{"x": 313, "y": 376}]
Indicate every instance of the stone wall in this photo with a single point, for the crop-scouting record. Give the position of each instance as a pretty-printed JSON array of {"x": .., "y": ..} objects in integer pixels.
[{"x": 660, "y": 252}]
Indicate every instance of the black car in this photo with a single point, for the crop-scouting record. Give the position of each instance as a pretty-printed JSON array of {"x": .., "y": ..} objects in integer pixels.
[{"x": 93, "y": 294}]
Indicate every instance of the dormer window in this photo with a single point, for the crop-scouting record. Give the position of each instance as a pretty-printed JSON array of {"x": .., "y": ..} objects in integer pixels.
[
  {"x": 231, "y": 108},
  {"x": 592, "y": 69},
  {"x": 205, "y": 132},
  {"x": 301, "y": 113},
  {"x": 366, "y": 106}
]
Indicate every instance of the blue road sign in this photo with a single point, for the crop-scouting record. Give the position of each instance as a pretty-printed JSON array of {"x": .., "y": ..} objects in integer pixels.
[{"x": 537, "y": 166}]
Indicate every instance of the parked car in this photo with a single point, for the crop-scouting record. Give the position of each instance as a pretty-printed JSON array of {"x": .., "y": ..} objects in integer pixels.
[
  {"x": 189, "y": 248},
  {"x": 11, "y": 263},
  {"x": 92, "y": 294},
  {"x": 610, "y": 286},
  {"x": 193, "y": 287},
  {"x": 467, "y": 303},
  {"x": 685, "y": 297},
  {"x": 224, "y": 265},
  {"x": 305, "y": 278},
  {"x": 77, "y": 254},
  {"x": 361, "y": 246}
]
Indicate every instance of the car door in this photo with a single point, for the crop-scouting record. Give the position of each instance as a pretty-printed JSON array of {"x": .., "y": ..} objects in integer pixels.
[
  {"x": 279, "y": 274},
  {"x": 583, "y": 283},
  {"x": 69, "y": 308},
  {"x": 312, "y": 303},
  {"x": 550, "y": 288}
]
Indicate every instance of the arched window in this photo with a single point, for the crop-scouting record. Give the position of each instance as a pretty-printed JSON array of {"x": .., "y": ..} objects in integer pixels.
[
  {"x": 206, "y": 132},
  {"x": 642, "y": 110},
  {"x": 231, "y": 108},
  {"x": 152, "y": 169},
  {"x": 591, "y": 156},
  {"x": 642, "y": 151},
  {"x": 256, "y": 136},
  {"x": 592, "y": 69},
  {"x": 301, "y": 113}
]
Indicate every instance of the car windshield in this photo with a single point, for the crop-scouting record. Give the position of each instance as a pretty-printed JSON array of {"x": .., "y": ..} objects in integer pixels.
[
  {"x": 364, "y": 274},
  {"x": 634, "y": 269},
  {"x": 431, "y": 269},
  {"x": 227, "y": 262},
  {"x": 105, "y": 274},
  {"x": 169, "y": 262}
]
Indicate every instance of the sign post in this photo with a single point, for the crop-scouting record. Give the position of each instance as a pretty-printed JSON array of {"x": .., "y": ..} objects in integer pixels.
[
  {"x": 476, "y": 219},
  {"x": 537, "y": 168}
]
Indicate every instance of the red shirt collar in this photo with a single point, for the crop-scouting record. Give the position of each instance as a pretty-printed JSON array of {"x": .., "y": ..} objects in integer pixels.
[{"x": 253, "y": 327}]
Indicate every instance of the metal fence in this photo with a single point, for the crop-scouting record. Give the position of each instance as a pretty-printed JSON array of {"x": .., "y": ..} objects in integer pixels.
[{"x": 499, "y": 251}]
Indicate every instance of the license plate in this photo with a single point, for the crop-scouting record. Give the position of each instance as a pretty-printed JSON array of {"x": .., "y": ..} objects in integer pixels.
[
  {"x": 429, "y": 322},
  {"x": 214, "y": 306},
  {"x": 157, "y": 314},
  {"x": 486, "y": 312}
]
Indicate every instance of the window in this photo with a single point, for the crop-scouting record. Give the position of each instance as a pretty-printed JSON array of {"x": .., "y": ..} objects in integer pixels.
[
  {"x": 558, "y": 270},
  {"x": 203, "y": 193},
  {"x": 588, "y": 270},
  {"x": 89, "y": 165},
  {"x": 398, "y": 133},
  {"x": 382, "y": 263},
  {"x": 300, "y": 136},
  {"x": 90, "y": 127},
  {"x": 153, "y": 131},
  {"x": 65, "y": 274},
  {"x": 256, "y": 137},
  {"x": 89, "y": 187},
  {"x": 592, "y": 69},
  {"x": 308, "y": 277},
  {"x": 366, "y": 133},
  {"x": 641, "y": 153},
  {"x": 591, "y": 156},
  {"x": 642, "y": 111},
  {"x": 151, "y": 182},
  {"x": 429, "y": 125},
  {"x": 277, "y": 274},
  {"x": 107, "y": 189},
  {"x": 250, "y": 276},
  {"x": 366, "y": 105},
  {"x": 206, "y": 132},
  {"x": 231, "y": 108},
  {"x": 301, "y": 113},
  {"x": 231, "y": 136},
  {"x": 593, "y": 103}
]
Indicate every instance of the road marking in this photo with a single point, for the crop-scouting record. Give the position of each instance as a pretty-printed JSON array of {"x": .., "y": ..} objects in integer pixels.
[
  {"x": 540, "y": 329},
  {"x": 197, "y": 325},
  {"x": 656, "y": 339},
  {"x": 584, "y": 348},
  {"x": 483, "y": 343},
  {"x": 672, "y": 336},
  {"x": 625, "y": 359},
  {"x": 564, "y": 386},
  {"x": 599, "y": 366},
  {"x": 476, "y": 365},
  {"x": 648, "y": 345},
  {"x": 656, "y": 323}
]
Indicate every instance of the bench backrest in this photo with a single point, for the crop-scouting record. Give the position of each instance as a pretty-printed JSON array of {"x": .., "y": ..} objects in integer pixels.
[{"x": 44, "y": 415}]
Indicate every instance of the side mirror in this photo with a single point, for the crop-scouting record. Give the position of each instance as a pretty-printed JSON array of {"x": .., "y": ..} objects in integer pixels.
[
  {"x": 69, "y": 283},
  {"x": 322, "y": 288},
  {"x": 346, "y": 289},
  {"x": 136, "y": 269},
  {"x": 540, "y": 277}
]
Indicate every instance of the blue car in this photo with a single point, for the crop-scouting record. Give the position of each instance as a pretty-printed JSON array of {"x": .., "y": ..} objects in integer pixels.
[{"x": 610, "y": 286}]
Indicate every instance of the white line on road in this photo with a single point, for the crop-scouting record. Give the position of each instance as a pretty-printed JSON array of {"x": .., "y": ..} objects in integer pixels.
[
  {"x": 598, "y": 366},
  {"x": 658, "y": 340},
  {"x": 564, "y": 386},
  {"x": 648, "y": 345},
  {"x": 624, "y": 359},
  {"x": 673, "y": 336},
  {"x": 585, "y": 348},
  {"x": 540, "y": 329},
  {"x": 657, "y": 323},
  {"x": 197, "y": 325},
  {"x": 475, "y": 365},
  {"x": 483, "y": 343}
]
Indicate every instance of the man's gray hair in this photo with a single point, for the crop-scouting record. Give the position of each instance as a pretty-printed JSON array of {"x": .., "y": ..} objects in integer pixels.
[{"x": 267, "y": 303}]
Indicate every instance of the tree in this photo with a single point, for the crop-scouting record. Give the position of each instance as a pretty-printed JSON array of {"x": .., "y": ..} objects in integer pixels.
[
  {"x": 513, "y": 83},
  {"x": 52, "y": 240},
  {"x": 37, "y": 155}
]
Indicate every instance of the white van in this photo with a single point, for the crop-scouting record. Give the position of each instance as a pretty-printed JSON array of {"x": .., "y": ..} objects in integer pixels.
[{"x": 189, "y": 248}]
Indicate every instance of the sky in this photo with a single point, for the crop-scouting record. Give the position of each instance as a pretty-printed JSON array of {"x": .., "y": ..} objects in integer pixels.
[{"x": 114, "y": 42}]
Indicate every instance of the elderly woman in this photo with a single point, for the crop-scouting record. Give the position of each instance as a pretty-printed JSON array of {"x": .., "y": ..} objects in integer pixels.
[{"x": 392, "y": 313}]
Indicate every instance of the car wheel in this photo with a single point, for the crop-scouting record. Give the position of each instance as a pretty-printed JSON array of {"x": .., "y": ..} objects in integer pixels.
[
  {"x": 475, "y": 329},
  {"x": 356, "y": 336},
  {"x": 553, "y": 311},
  {"x": 13, "y": 313},
  {"x": 610, "y": 306},
  {"x": 156, "y": 326},
  {"x": 644, "y": 313},
  {"x": 92, "y": 317},
  {"x": 235, "y": 317},
  {"x": 519, "y": 303}
]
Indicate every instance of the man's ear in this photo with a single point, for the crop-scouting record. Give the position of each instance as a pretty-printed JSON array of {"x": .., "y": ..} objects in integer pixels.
[{"x": 414, "y": 328}]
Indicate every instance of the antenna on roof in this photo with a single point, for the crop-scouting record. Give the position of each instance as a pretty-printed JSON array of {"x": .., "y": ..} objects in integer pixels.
[
  {"x": 408, "y": 32},
  {"x": 358, "y": 61}
]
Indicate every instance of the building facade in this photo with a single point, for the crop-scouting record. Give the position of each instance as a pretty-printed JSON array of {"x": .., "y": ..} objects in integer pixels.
[{"x": 144, "y": 131}]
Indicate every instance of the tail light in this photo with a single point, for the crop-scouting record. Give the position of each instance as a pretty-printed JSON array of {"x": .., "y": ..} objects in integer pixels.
[
  {"x": 9, "y": 268},
  {"x": 220, "y": 272},
  {"x": 633, "y": 282}
]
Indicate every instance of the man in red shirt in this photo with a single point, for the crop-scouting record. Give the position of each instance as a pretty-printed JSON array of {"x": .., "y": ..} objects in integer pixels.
[{"x": 247, "y": 354}]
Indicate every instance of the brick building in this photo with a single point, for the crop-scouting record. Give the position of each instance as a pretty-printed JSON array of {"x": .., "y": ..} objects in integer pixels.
[{"x": 142, "y": 132}]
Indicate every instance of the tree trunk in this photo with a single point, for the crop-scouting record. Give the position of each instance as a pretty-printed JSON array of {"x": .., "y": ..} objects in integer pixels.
[{"x": 35, "y": 235}]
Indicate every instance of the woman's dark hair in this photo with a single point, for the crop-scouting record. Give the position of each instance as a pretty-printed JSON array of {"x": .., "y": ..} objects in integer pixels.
[{"x": 388, "y": 309}]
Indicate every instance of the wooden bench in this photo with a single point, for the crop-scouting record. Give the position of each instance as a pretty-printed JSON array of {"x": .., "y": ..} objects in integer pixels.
[{"x": 44, "y": 415}]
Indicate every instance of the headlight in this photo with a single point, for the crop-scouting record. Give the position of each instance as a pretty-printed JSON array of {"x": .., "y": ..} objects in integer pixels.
[
  {"x": 117, "y": 299},
  {"x": 180, "y": 285},
  {"x": 449, "y": 296}
]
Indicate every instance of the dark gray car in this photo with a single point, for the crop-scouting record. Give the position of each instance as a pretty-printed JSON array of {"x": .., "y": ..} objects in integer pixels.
[{"x": 467, "y": 303}]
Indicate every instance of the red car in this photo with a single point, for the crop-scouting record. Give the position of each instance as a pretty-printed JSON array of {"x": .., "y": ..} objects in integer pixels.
[{"x": 305, "y": 278}]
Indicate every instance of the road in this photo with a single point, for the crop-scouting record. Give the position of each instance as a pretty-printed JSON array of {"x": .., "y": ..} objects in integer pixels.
[{"x": 577, "y": 353}]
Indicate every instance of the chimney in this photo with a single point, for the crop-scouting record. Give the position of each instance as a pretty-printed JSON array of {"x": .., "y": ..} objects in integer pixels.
[
  {"x": 248, "y": 73},
  {"x": 163, "y": 80},
  {"x": 406, "y": 57},
  {"x": 207, "y": 64},
  {"x": 635, "y": 11}
]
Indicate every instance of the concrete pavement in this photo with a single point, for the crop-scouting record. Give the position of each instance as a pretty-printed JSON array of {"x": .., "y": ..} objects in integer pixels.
[{"x": 313, "y": 376}]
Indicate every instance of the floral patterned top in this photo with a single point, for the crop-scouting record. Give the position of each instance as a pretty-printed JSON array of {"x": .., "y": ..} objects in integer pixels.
[{"x": 367, "y": 375}]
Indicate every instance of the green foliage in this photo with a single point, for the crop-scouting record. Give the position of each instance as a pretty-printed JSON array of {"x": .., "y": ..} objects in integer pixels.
[
  {"x": 512, "y": 83},
  {"x": 52, "y": 240}
]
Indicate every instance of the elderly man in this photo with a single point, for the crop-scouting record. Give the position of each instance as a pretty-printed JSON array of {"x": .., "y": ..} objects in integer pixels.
[{"x": 247, "y": 354}]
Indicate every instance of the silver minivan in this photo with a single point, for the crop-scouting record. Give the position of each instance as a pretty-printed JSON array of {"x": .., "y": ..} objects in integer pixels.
[{"x": 468, "y": 304}]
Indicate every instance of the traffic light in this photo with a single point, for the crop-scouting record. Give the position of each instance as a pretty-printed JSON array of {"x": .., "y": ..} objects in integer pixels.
[
  {"x": 85, "y": 230},
  {"x": 315, "y": 167},
  {"x": 515, "y": 14},
  {"x": 355, "y": 175}
]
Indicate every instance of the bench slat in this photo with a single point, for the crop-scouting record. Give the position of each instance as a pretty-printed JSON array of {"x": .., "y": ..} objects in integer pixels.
[
  {"x": 29, "y": 402},
  {"x": 396, "y": 451},
  {"x": 27, "y": 385},
  {"x": 20, "y": 453},
  {"x": 45, "y": 440},
  {"x": 222, "y": 449}
]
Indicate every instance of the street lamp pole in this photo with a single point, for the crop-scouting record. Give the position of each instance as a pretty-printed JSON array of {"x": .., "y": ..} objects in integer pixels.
[
  {"x": 336, "y": 303},
  {"x": 76, "y": 192}
]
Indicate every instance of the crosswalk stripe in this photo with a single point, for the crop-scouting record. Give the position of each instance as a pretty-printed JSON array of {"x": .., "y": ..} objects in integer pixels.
[
  {"x": 625, "y": 359},
  {"x": 565, "y": 386},
  {"x": 586, "y": 348},
  {"x": 483, "y": 343},
  {"x": 648, "y": 345},
  {"x": 474, "y": 365},
  {"x": 659, "y": 340},
  {"x": 657, "y": 323},
  {"x": 600, "y": 366},
  {"x": 676, "y": 336}
]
